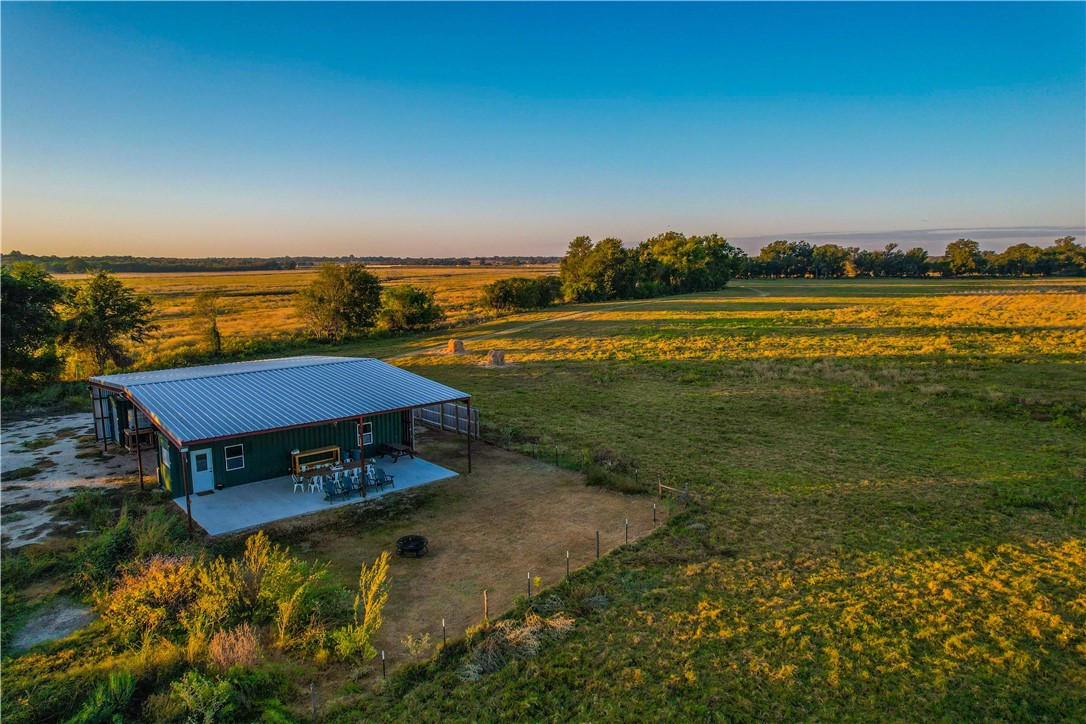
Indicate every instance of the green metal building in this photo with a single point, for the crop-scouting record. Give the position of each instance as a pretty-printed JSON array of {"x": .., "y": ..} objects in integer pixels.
[{"x": 224, "y": 425}]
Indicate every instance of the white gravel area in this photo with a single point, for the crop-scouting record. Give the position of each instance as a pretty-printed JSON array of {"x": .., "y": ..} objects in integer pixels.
[{"x": 24, "y": 501}]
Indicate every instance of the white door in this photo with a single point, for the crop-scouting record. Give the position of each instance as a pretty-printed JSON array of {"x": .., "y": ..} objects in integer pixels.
[{"x": 203, "y": 472}]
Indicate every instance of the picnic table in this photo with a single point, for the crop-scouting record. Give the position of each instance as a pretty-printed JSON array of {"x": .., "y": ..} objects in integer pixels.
[{"x": 397, "y": 451}]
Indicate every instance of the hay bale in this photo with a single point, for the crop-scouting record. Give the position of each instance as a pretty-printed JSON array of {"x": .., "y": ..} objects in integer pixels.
[
  {"x": 496, "y": 358},
  {"x": 456, "y": 346}
]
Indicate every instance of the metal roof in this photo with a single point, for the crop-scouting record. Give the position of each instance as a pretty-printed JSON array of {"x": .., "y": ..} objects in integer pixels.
[{"x": 197, "y": 404}]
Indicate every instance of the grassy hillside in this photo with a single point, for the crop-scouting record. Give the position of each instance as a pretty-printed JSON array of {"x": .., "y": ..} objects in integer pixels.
[{"x": 890, "y": 480}]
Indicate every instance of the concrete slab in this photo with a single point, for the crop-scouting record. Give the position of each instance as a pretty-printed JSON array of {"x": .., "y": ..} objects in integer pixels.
[{"x": 252, "y": 505}]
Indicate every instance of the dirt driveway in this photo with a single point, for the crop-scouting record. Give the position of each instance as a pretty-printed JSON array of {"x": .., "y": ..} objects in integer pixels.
[
  {"x": 487, "y": 530},
  {"x": 45, "y": 460}
]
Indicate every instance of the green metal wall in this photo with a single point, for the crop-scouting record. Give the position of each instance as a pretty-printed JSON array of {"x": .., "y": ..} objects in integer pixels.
[{"x": 268, "y": 455}]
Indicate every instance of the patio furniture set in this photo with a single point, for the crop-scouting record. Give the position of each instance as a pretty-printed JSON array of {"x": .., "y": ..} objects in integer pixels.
[{"x": 340, "y": 480}]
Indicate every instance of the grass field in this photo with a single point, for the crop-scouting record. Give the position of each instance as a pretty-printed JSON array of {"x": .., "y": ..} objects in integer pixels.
[
  {"x": 260, "y": 305},
  {"x": 890, "y": 480},
  {"x": 889, "y": 516}
]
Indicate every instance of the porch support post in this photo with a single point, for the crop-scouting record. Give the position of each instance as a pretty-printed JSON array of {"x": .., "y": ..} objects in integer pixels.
[
  {"x": 362, "y": 436},
  {"x": 185, "y": 482},
  {"x": 139, "y": 450},
  {"x": 469, "y": 433},
  {"x": 158, "y": 458}
]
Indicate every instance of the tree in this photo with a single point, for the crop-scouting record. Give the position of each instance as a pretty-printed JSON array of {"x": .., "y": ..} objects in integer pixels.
[
  {"x": 573, "y": 270},
  {"x": 963, "y": 256},
  {"x": 408, "y": 307},
  {"x": 206, "y": 309},
  {"x": 343, "y": 298},
  {"x": 100, "y": 315},
  {"x": 28, "y": 298},
  {"x": 522, "y": 292},
  {"x": 828, "y": 260}
]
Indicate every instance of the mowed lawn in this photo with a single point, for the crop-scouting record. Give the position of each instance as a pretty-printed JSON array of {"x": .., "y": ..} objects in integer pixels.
[{"x": 889, "y": 524}]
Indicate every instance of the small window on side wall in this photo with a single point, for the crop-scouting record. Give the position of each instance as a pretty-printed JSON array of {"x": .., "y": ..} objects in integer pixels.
[
  {"x": 165, "y": 455},
  {"x": 235, "y": 457},
  {"x": 367, "y": 433}
]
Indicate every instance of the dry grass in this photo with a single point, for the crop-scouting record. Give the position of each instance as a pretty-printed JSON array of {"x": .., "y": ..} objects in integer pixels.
[
  {"x": 487, "y": 530},
  {"x": 260, "y": 305}
]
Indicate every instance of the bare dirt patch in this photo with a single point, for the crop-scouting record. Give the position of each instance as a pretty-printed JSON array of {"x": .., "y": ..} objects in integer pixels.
[
  {"x": 60, "y": 619},
  {"x": 43, "y": 461},
  {"x": 487, "y": 530}
]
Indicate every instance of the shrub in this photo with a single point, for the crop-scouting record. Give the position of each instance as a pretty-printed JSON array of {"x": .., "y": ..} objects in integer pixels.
[
  {"x": 238, "y": 646},
  {"x": 203, "y": 699},
  {"x": 90, "y": 506},
  {"x": 108, "y": 701},
  {"x": 151, "y": 598},
  {"x": 600, "y": 477},
  {"x": 522, "y": 293},
  {"x": 98, "y": 560},
  {"x": 159, "y": 532},
  {"x": 407, "y": 307},
  {"x": 353, "y": 640}
]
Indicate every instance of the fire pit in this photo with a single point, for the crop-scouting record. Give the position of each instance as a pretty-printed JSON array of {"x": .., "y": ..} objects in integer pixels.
[{"x": 412, "y": 545}]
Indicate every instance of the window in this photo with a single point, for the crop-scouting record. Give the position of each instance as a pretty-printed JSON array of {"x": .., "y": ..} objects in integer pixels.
[
  {"x": 201, "y": 463},
  {"x": 235, "y": 457},
  {"x": 165, "y": 454},
  {"x": 367, "y": 433}
]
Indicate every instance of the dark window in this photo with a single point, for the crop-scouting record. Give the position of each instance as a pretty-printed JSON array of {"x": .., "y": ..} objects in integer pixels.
[{"x": 235, "y": 457}]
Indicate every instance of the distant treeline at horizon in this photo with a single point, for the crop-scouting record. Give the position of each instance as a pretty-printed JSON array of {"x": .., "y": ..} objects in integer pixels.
[{"x": 153, "y": 264}]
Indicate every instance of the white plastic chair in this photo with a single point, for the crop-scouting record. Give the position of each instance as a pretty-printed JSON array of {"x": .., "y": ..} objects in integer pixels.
[{"x": 299, "y": 483}]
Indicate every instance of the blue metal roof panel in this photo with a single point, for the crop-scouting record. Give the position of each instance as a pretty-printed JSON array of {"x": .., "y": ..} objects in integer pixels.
[{"x": 245, "y": 397}]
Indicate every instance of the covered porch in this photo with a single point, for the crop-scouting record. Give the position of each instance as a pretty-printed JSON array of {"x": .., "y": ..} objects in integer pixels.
[{"x": 252, "y": 505}]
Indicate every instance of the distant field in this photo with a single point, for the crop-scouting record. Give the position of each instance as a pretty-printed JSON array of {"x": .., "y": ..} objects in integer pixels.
[
  {"x": 260, "y": 305},
  {"x": 891, "y": 485}
]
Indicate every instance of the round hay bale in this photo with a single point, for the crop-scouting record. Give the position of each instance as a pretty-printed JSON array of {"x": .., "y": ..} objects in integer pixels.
[
  {"x": 496, "y": 358},
  {"x": 456, "y": 346}
]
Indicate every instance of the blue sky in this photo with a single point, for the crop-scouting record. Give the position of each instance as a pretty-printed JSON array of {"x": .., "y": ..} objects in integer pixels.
[{"x": 447, "y": 129}]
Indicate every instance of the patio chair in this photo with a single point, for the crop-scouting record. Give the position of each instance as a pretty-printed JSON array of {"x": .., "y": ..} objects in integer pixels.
[
  {"x": 384, "y": 478},
  {"x": 299, "y": 483},
  {"x": 330, "y": 491},
  {"x": 314, "y": 485}
]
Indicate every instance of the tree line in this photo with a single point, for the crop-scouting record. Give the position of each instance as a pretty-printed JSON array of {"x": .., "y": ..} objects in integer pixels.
[
  {"x": 94, "y": 322},
  {"x": 964, "y": 257},
  {"x": 135, "y": 264},
  {"x": 673, "y": 263}
]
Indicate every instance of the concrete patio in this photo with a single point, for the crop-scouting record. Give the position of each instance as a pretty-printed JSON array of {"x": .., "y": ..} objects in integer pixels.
[{"x": 255, "y": 504}]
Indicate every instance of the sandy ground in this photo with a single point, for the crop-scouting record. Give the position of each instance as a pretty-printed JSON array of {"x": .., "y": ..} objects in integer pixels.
[
  {"x": 512, "y": 515},
  {"x": 61, "y": 619},
  {"x": 63, "y": 450}
]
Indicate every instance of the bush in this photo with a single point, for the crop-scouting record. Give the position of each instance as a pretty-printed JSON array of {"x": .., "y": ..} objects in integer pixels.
[
  {"x": 108, "y": 701},
  {"x": 203, "y": 699},
  {"x": 599, "y": 477},
  {"x": 407, "y": 307},
  {"x": 90, "y": 506},
  {"x": 98, "y": 560},
  {"x": 522, "y": 293},
  {"x": 159, "y": 532},
  {"x": 151, "y": 598},
  {"x": 238, "y": 646}
]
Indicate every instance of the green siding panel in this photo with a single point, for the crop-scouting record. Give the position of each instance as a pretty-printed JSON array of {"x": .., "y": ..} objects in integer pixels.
[{"x": 268, "y": 455}]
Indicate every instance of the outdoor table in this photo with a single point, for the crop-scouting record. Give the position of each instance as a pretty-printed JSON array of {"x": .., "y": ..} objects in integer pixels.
[{"x": 397, "y": 451}]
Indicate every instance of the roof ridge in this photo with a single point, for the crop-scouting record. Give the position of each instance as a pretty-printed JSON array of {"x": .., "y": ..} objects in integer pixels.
[{"x": 317, "y": 361}]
